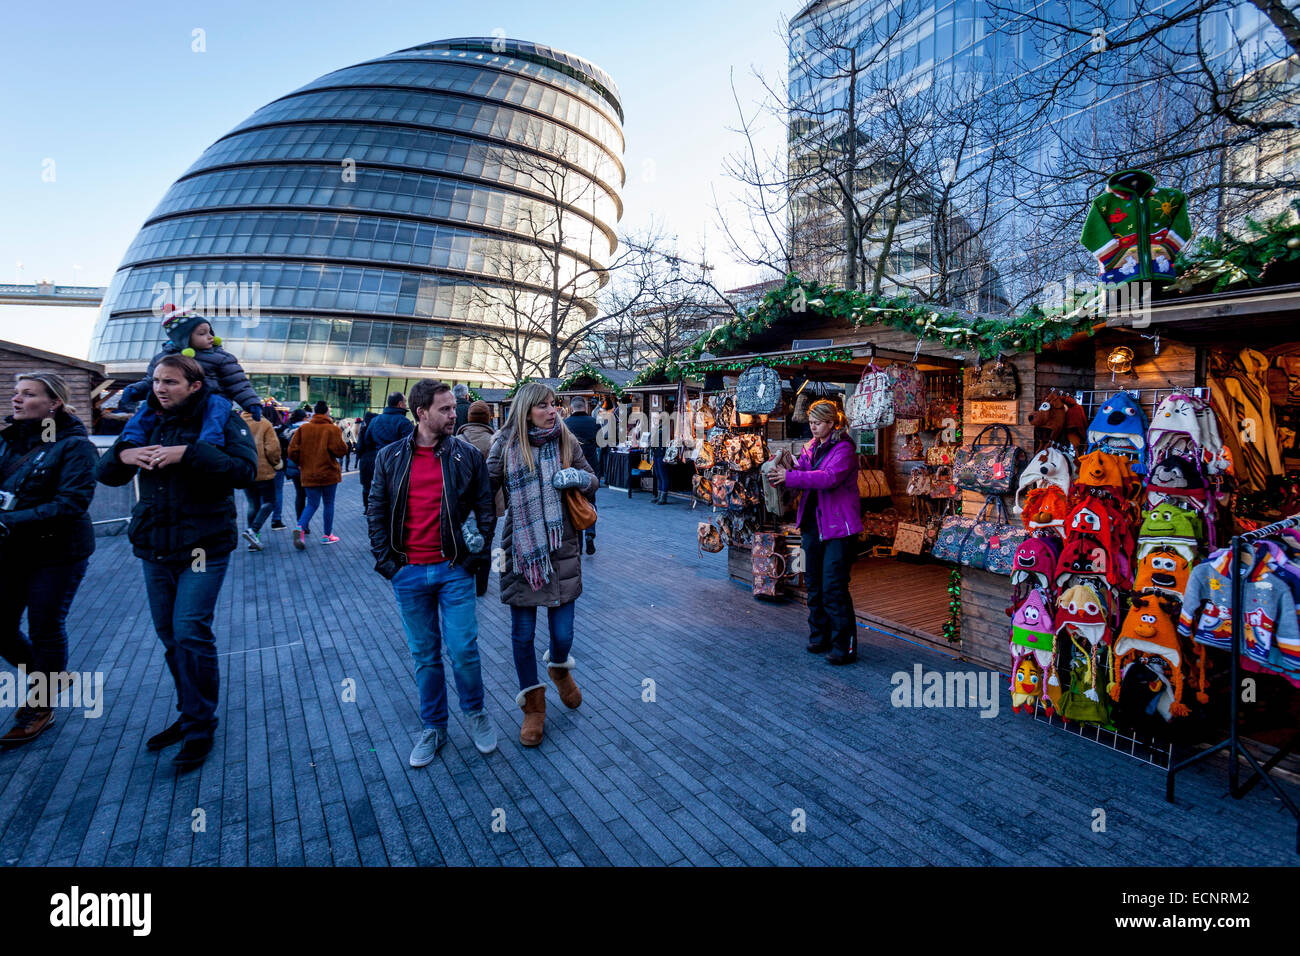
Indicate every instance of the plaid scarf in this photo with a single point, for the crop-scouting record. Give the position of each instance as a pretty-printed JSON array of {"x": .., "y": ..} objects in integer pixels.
[{"x": 536, "y": 511}]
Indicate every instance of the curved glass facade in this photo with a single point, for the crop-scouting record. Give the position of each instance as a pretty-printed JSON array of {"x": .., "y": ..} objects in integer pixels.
[{"x": 371, "y": 224}]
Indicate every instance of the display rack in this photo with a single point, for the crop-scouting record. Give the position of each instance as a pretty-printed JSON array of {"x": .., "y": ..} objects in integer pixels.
[{"x": 1233, "y": 743}]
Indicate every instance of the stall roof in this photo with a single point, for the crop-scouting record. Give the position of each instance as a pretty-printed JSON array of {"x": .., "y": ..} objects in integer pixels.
[
  {"x": 493, "y": 395},
  {"x": 788, "y": 362},
  {"x": 1268, "y": 315}
]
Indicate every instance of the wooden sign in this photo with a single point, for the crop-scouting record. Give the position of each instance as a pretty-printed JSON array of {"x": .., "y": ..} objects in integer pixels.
[{"x": 994, "y": 413}]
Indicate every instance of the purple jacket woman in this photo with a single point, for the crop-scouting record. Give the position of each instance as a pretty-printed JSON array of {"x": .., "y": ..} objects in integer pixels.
[{"x": 827, "y": 474}]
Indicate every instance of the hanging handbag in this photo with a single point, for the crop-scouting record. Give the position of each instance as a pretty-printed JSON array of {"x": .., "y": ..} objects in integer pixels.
[
  {"x": 872, "y": 404},
  {"x": 910, "y": 537},
  {"x": 907, "y": 426},
  {"x": 919, "y": 482},
  {"x": 582, "y": 513},
  {"x": 939, "y": 413},
  {"x": 709, "y": 537},
  {"x": 913, "y": 449},
  {"x": 759, "y": 391},
  {"x": 986, "y": 542},
  {"x": 872, "y": 483},
  {"x": 941, "y": 485},
  {"x": 988, "y": 468},
  {"x": 995, "y": 382},
  {"x": 941, "y": 455},
  {"x": 702, "y": 485},
  {"x": 909, "y": 392},
  {"x": 800, "y": 413},
  {"x": 768, "y": 564}
]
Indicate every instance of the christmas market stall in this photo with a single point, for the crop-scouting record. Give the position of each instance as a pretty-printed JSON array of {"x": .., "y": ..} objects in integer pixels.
[{"x": 659, "y": 401}]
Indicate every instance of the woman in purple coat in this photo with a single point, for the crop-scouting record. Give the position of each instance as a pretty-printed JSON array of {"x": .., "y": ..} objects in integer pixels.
[{"x": 827, "y": 473}]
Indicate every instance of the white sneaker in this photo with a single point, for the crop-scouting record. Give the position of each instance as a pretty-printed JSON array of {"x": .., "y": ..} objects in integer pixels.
[
  {"x": 427, "y": 747},
  {"x": 482, "y": 732},
  {"x": 254, "y": 541}
]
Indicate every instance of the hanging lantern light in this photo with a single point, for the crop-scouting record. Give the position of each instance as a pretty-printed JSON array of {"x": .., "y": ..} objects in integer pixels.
[{"x": 1120, "y": 360}]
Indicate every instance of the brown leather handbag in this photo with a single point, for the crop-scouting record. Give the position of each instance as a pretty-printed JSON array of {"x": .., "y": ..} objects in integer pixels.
[{"x": 582, "y": 513}]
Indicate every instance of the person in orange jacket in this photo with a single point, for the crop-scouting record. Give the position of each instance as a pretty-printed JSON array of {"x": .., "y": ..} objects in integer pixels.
[{"x": 317, "y": 446}]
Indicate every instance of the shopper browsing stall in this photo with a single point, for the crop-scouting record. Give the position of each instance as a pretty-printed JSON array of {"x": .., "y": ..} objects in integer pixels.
[{"x": 828, "y": 516}]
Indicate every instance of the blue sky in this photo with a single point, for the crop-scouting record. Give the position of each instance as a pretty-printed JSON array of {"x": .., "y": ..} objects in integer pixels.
[{"x": 115, "y": 96}]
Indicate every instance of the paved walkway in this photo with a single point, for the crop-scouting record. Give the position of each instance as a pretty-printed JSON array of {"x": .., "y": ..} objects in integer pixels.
[{"x": 751, "y": 752}]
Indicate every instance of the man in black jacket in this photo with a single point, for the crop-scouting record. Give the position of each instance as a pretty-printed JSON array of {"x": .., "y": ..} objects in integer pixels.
[
  {"x": 183, "y": 530},
  {"x": 585, "y": 429},
  {"x": 431, "y": 518},
  {"x": 383, "y": 429}
]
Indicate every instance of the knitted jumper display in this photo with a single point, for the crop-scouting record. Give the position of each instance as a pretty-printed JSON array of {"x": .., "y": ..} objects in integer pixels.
[{"x": 1135, "y": 230}]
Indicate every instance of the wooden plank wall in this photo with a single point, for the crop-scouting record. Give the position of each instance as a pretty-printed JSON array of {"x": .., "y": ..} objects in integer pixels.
[
  {"x": 80, "y": 381},
  {"x": 1174, "y": 367}
]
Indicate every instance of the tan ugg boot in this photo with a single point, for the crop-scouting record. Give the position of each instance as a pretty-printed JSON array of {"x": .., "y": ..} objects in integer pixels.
[
  {"x": 562, "y": 675},
  {"x": 533, "y": 702}
]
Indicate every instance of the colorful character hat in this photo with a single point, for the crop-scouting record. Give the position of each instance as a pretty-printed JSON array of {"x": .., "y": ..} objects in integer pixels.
[
  {"x": 1026, "y": 684},
  {"x": 1175, "y": 426},
  {"x": 1045, "y": 508},
  {"x": 1170, "y": 528},
  {"x": 1050, "y": 467},
  {"x": 1083, "y": 610},
  {"x": 1149, "y": 630},
  {"x": 1120, "y": 427},
  {"x": 1095, "y": 518},
  {"x": 1163, "y": 571},
  {"x": 1177, "y": 475},
  {"x": 1062, "y": 422},
  {"x": 179, "y": 324},
  {"x": 1032, "y": 630},
  {"x": 1035, "y": 562},
  {"x": 1102, "y": 471}
]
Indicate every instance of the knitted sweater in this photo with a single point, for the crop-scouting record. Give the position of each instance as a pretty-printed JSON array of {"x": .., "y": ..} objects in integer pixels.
[
  {"x": 1135, "y": 230},
  {"x": 1269, "y": 611}
]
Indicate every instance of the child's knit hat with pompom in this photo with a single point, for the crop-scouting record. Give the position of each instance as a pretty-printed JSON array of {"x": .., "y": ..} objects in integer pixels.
[{"x": 179, "y": 324}]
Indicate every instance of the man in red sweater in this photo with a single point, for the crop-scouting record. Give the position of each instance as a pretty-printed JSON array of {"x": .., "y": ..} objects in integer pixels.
[{"x": 430, "y": 516}]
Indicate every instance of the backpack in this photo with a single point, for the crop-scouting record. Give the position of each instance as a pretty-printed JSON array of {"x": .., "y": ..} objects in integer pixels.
[{"x": 759, "y": 391}]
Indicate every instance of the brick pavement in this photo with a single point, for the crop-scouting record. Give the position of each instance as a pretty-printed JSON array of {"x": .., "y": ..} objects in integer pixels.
[{"x": 745, "y": 730}]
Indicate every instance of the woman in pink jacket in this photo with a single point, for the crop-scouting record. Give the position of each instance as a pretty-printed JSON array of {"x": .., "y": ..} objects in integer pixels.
[{"x": 827, "y": 473}]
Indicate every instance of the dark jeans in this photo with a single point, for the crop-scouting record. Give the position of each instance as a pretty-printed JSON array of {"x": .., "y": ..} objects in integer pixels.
[
  {"x": 299, "y": 497},
  {"x": 278, "y": 481},
  {"x": 367, "y": 476},
  {"x": 261, "y": 502},
  {"x": 315, "y": 497},
  {"x": 46, "y": 594},
  {"x": 660, "y": 470},
  {"x": 523, "y": 624},
  {"x": 183, "y": 602},
  {"x": 830, "y": 606}
]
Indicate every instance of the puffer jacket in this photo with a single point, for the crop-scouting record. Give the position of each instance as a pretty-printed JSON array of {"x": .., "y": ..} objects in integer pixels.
[
  {"x": 267, "y": 444},
  {"x": 190, "y": 504},
  {"x": 565, "y": 584},
  {"x": 224, "y": 374},
  {"x": 480, "y": 436},
  {"x": 466, "y": 490},
  {"x": 384, "y": 429},
  {"x": 834, "y": 476},
  {"x": 54, "y": 483},
  {"x": 317, "y": 446}
]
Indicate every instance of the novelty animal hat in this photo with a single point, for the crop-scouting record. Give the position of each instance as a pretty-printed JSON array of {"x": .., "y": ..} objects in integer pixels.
[
  {"x": 1049, "y": 467},
  {"x": 1083, "y": 610},
  {"x": 1061, "y": 421},
  {"x": 1026, "y": 684},
  {"x": 179, "y": 324},
  {"x": 1163, "y": 571},
  {"x": 1120, "y": 427},
  {"x": 1177, "y": 475},
  {"x": 1100, "y": 470},
  {"x": 1032, "y": 630},
  {"x": 1149, "y": 629},
  {"x": 1186, "y": 424},
  {"x": 1171, "y": 528},
  {"x": 1035, "y": 563},
  {"x": 1082, "y": 558},
  {"x": 1045, "y": 508}
]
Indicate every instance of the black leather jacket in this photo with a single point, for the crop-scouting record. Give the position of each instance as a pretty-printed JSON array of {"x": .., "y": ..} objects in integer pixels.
[{"x": 465, "y": 489}]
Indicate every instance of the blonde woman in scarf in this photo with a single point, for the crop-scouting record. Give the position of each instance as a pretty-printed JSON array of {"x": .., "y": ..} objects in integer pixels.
[{"x": 534, "y": 459}]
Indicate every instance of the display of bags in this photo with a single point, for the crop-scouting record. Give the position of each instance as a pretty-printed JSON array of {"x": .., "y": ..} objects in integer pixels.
[
  {"x": 918, "y": 482},
  {"x": 995, "y": 382},
  {"x": 913, "y": 450},
  {"x": 709, "y": 537},
  {"x": 942, "y": 485},
  {"x": 872, "y": 404},
  {"x": 909, "y": 392},
  {"x": 768, "y": 564},
  {"x": 989, "y": 468},
  {"x": 986, "y": 542},
  {"x": 759, "y": 391}
]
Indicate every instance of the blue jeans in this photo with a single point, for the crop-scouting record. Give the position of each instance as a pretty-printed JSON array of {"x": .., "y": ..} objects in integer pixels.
[
  {"x": 314, "y": 497},
  {"x": 278, "y": 513},
  {"x": 523, "y": 624},
  {"x": 46, "y": 594},
  {"x": 437, "y": 603},
  {"x": 261, "y": 502},
  {"x": 183, "y": 602}
]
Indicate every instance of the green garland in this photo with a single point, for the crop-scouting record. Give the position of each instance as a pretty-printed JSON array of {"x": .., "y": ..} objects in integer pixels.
[
  {"x": 474, "y": 396},
  {"x": 1214, "y": 264},
  {"x": 518, "y": 385},
  {"x": 722, "y": 365},
  {"x": 952, "y": 626},
  {"x": 586, "y": 371},
  {"x": 665, "y": 368}
]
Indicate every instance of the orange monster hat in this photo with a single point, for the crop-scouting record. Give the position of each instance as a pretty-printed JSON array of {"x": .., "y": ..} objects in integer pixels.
[{"x": 1149, "y": 629}]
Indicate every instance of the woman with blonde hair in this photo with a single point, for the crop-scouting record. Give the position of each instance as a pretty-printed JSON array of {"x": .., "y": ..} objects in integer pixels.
[
  {"x": 829, "y": 517},
  {"x": 535, "y": 459}
]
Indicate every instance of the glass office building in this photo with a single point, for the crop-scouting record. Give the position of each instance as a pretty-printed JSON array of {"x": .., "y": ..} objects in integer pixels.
[{"x": 370, "y": 228}]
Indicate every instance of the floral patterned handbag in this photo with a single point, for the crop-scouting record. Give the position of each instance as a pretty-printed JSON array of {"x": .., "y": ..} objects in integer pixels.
[
  {"x": 988, "y": 468},
  {"x": 986, "y": 542},
  {"x": 942, "y": 485},
  {"x": 913, "y": 450},
  {"x": 709, "y": 537},
  {"x": 768, "y": 564},
  {"x": 872, "y": 404},
  {"x": 909, "y": 392}
]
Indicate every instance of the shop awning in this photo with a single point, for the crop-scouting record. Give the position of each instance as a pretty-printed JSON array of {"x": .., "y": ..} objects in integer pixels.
[
  {"x": 1268, "y": 315},
  {"x": 827, "y": 363}
]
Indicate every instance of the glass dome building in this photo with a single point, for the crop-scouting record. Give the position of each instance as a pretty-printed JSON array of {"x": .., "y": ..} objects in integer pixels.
[{"x": 372, "y": 227}]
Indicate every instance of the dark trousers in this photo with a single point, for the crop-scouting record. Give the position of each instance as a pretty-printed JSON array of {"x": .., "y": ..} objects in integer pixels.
[
  {"x": 660, "y": 470},
  {"x": 261, "y": 502},
  {"x": 367, "y": 476},
  {"x": 46, "y": 595},
  {"x": 183, "y": 603},
  {"x": 830, "y": 607},
  {"x": 299, "y": 497}
]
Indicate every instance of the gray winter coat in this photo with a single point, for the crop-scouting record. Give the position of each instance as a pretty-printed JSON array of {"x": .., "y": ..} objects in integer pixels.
[
  {"x": 565, "y": 584},
  {"x": 224, "y": 374}
]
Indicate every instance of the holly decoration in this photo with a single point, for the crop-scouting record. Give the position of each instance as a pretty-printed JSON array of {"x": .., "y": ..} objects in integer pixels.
[
  {"x": 777, "y": 361},
  {"x": 586, "y": 371},
  {"x": 1269, "y": 252}
]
